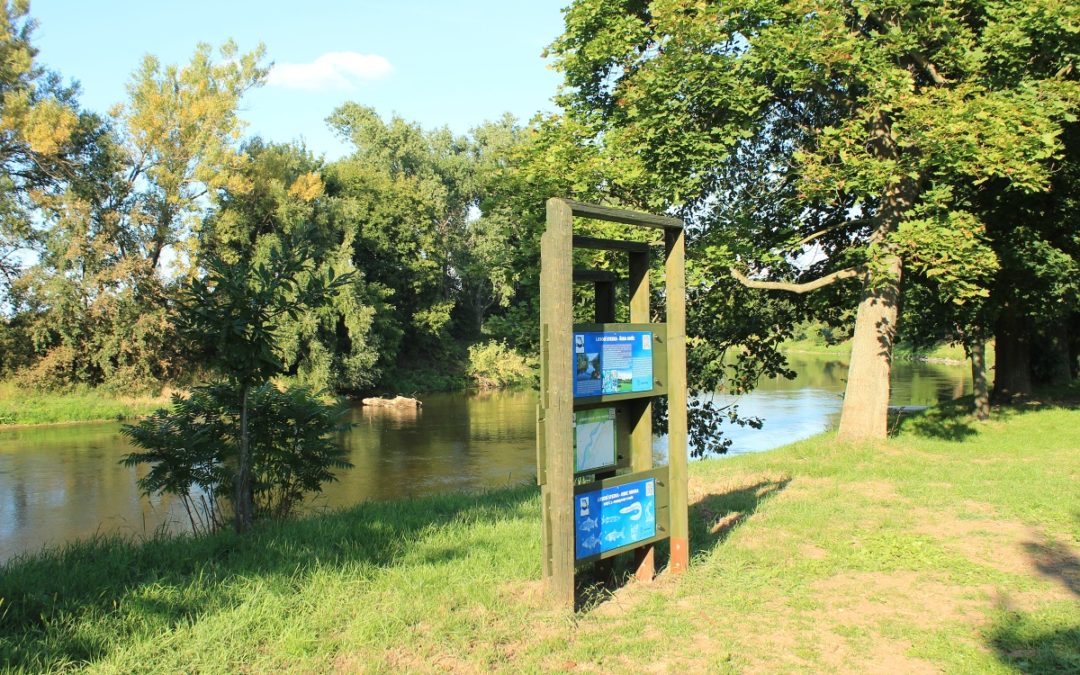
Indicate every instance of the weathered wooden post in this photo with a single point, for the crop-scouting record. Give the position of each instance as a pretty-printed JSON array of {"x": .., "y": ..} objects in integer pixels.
[{"x": 601, "y": 494}]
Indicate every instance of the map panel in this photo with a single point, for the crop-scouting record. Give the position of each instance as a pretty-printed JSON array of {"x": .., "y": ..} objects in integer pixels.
[{"x": 594, "y": 439}]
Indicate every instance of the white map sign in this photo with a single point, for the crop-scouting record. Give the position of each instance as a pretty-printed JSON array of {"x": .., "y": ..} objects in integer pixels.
[{"x": 594, "y": 439}]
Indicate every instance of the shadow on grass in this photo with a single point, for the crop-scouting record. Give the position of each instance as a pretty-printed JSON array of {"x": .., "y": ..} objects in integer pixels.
[
  {"x": 134, "y": 588},
  {"x": 1036, "y": 643},
  {"x": 952, "y": 420},
  {"x": 1056, "y": 561},
  {"x": 1022, "y": 642},
  {"x": 712, "y": 519}
]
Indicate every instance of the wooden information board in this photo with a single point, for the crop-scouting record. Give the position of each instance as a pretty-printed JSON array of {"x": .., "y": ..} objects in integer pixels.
[{"x": 602, "y": 496}]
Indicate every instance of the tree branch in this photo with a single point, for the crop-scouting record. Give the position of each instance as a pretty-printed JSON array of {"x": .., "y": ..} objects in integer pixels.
[
  {"x": 919, "y": 59},
  {"x": 832, "y": 228},
  {"x": 790, "y": 287},
  {"x": 930, "y": 69}
]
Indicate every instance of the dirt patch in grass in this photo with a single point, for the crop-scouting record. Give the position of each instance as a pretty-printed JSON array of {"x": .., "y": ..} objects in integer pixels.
[
  {"x": 836, "y": 618},
  {"x": 1008, "y": 546},
  {"x": 864, "y": 599}
]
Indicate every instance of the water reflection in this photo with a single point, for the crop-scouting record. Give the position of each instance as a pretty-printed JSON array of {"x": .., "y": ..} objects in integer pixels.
[
  {"x": 810, "y": 403},
  {"x": 63, "y": 482}
]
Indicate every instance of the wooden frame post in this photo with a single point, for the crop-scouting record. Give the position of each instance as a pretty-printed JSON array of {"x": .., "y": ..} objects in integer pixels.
[
  {"x": 641, "y": 430},
  {"x": 556, "y": 304},
  {"x": 556, "y": 411},
  {"x": 675, "y": 278}
]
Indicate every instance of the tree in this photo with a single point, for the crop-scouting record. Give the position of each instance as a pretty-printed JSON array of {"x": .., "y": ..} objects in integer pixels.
[
  {"x": 180, "y": 134},
  {"x": 192, "y": 448},
  {"x": 40, "y": 134},
  {"x": 855, "y": 131},
  {"x": 136, "y": 184},
  {"x": 423, "y": 212},
  {"x": 331, "y": 345},
  {"x": 232, "y": 315}
]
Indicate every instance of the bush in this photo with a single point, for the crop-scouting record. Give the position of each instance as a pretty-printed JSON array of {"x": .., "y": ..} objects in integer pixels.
[
  {"x": 193, "y": 446},
  {"x": 493, "y": 364}
]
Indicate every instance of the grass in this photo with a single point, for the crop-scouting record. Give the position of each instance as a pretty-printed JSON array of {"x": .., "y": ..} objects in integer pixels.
[
  {"x": 814, "y": 343},
  {"x": 20, "y": 406},
  {"x": 954, "y": 546}
]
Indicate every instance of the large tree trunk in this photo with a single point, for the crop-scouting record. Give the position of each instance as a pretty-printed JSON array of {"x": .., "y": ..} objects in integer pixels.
[
  {"x": 1012, "y": 354},
  {"x": 865, "y": 414},
  {"x": 1051, "y": 359},
  {"x": 977, "y": 353}
]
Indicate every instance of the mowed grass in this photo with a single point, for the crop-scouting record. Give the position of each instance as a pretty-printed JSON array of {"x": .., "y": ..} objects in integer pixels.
[
  {"x": 20, "y": 406},
  {"x": 953, "y": 547},
  {"x": 944, "y": 352}
]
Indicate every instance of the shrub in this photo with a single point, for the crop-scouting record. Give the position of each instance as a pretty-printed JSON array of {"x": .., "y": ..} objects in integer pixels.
[
  {"x": 493, "y": 364},
  {"x": 192, "y": 449}
]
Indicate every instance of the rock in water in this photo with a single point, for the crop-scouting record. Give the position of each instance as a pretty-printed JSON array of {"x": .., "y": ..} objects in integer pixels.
[{"x": 396, "y": 402}]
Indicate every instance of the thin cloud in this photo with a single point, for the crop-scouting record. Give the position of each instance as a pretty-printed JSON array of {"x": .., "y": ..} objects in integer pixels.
[{"x": 332, "y": 70}]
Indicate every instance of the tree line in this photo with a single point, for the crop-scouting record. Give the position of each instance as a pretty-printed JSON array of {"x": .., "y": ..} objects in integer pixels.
[{"x": 109, "y": 217}]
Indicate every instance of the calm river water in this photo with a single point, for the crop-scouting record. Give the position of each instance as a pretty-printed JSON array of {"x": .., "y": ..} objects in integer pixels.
[{"x": 64, "y": 482}]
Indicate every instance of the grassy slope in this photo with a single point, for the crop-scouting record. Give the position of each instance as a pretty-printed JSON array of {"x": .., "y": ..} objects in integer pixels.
[
  {"x": 952, "y": 547},
  {"x": 18, "y": 406},
  {"x": 942, "y": 352}
]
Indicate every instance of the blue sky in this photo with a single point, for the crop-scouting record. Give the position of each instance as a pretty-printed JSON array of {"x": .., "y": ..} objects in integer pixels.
[{"x": 436, "y": 63}]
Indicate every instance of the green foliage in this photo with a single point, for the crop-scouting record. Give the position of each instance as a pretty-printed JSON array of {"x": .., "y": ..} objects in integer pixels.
[
  {"x": 333, "y": 344},
  {"x": 99, "y": 305},
  {"x": 231, "y": 314},
  {"x": 494, "y": 364},
  {"x": 801, "y": 139},
  {"x": 40, "y": 132},
  {"x": 427, "y": 217},
  {"x": 193, "y": 448}
]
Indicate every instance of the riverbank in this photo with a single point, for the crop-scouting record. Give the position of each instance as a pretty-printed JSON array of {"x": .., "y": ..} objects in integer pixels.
[
  {"x": 953, "y": 547},
  {"x": 488, "y": 366},
  {"x": 21, "y": 407},
  {"x": 945, "y": 354}
]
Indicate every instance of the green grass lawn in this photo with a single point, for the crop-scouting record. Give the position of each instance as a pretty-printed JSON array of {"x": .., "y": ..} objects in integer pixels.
[
  {"x": 842, "y": 350},
  {"x": 953, "y": 547},
  {"x": 20, "y": 406}
]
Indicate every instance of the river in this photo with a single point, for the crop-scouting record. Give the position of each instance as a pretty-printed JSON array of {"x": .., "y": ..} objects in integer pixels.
[{"x": 59, "y": 483}]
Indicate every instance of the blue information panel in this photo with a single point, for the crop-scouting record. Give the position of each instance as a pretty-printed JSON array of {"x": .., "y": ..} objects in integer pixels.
[
  {"x": 616, "y": 362},
  {"x": 613, "y": 517}
]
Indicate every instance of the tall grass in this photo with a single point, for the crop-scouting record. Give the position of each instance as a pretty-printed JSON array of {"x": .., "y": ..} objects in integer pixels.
[{"x": 83, "y": 404}]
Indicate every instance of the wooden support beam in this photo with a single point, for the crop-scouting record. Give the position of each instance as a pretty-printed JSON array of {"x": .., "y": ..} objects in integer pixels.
[
  {"x": 601, "y": 276},
  {"x": 615, "y": 215},
  {"x": 604, "y": 302},
  {"x": 641, "y": 410},
  {"x": 556, "y": 318},
  {"x": 675, "y": 287},
  {"x": 609, "y": 244}
]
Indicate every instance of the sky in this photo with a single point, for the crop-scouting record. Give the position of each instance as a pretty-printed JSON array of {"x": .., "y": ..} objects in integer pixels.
[{"x": 436, "y": 63}]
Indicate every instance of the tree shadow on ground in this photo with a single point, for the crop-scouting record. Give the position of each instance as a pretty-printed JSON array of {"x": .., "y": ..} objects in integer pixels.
[
  {"x": 952, "y": 420},
  {"x": 712, "y": 518},
  {"x": 166, "y": 582},
  {"x": 1032, "y": 641}
]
